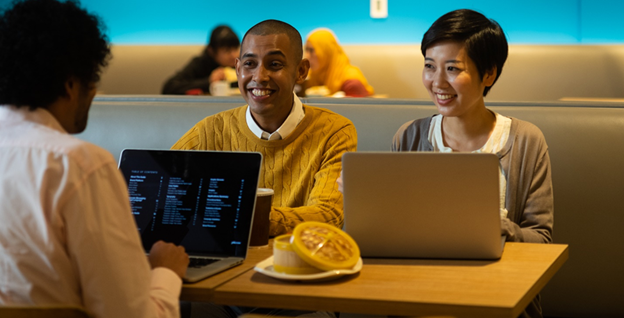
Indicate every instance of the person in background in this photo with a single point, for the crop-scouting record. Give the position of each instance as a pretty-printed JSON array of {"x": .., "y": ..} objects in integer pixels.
[
  {"x": 212, "y": 65},
  {"x": 301, "y": 145},
  {"x": 330, "y": 68},
  {"x": 67, "y": 234},
  {"x": 464, "y": 56}
]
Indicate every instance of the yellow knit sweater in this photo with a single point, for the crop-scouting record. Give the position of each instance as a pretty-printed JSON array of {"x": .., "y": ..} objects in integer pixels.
[{"x": 302, "y": 168}]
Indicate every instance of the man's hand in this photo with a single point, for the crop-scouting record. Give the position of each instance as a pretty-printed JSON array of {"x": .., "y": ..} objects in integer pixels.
[
  {"x": 169, "y": 256},
  {"x": 217, "y": 75}
]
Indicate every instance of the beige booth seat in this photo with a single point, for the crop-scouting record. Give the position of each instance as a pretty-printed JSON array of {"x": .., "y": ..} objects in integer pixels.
[
  {"x": 586, "y": 142},
  {"x": 532, "y": 72}
]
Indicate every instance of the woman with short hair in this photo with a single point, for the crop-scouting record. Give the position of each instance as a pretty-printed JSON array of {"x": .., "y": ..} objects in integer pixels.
[{"x": 464, "y": 55}]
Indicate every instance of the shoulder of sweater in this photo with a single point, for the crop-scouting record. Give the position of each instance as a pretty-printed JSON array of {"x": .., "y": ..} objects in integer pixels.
[
  {"x": 200, "y": 66},
  {"x": 525, "y": 137},
  {"x": 220, "y": 116},
  {"x": 416, "y": 125},
  {"x": 526, "y": 130},
  {"x": 206, "y": 58},
  {"x": 324, "y": 112}
]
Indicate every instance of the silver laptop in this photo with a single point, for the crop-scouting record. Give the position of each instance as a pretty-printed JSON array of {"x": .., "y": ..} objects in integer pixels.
[
  {"x": 202, "y": 200},
  {"x": 423, "y": 204}
]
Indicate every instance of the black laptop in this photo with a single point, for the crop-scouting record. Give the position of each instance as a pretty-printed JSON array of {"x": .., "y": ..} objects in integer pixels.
[{"x": 202, "y": 200}]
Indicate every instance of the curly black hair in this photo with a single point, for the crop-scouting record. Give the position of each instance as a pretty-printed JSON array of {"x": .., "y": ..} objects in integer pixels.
[{"x": 43, "y": 43}]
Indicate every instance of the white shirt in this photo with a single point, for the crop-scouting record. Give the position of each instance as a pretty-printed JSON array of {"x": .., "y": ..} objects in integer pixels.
[
  {"x": 494, "y": 144},
  {"x": 67, "y": 235},
  {"x": 289, "y": 125}
]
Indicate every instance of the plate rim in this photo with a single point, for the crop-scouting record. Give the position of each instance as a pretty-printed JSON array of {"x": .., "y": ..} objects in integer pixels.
[{"x": 262, "y": 266}]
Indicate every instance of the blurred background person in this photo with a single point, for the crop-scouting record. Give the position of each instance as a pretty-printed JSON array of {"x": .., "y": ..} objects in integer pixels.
[
  {"x": 215, "y": 64},
  {"x": 330, "y": 70}
]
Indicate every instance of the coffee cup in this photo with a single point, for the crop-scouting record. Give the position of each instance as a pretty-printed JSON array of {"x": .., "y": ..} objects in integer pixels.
[
  {"x": 261, "y": 219},
  {"x": 219, "y": 88}
]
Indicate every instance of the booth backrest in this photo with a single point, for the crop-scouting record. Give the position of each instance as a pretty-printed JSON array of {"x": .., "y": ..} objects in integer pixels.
[
  {"x": 532, "y": 72},
  {"x": 585, "y": 144}
]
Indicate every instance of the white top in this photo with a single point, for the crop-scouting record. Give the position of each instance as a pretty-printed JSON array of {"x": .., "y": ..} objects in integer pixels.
[
  {"x": 289, "y": 125},
  {"x": 494, "y": 144},
  {"x": 67, "y": 234}
]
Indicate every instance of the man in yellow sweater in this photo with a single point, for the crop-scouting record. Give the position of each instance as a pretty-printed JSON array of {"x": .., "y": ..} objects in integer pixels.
[{"x": 302, "y": 146}]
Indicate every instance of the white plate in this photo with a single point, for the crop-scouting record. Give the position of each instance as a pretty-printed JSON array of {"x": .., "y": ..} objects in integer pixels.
[{"x": 266, "y": 267}]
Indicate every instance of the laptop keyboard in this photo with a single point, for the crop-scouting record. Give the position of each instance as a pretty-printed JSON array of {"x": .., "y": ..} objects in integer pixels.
[{"x": 196, "y": 262}]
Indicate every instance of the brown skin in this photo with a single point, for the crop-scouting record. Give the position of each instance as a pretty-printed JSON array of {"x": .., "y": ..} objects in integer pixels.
[
  {"x": 226, "y": 57},
  {"x": 310, "y": 54},
  {"x": 169, "y": 256},
  {"x": 72, "y": 112},
  {"x": 268, "y": 66},
  {"x": 217, "y": 75}
]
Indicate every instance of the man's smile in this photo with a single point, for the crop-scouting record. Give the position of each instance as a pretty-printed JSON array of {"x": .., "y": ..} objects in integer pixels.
[{"x": 260, "y": 91}]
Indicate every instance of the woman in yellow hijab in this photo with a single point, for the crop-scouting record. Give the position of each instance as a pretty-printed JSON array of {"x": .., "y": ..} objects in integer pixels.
[{"x": 329, "y": 66}]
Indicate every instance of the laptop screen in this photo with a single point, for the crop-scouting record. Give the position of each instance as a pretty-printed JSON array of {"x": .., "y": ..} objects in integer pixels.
[{"x": 202, "y": 200}]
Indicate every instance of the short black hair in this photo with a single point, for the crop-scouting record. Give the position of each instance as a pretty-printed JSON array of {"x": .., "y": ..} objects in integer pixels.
[
  {"x": 43, "y": 43},
  {"x": 270, "y": 27},
  {"x": 483, "y": 39},
  {"x": 223, "y": 37}
]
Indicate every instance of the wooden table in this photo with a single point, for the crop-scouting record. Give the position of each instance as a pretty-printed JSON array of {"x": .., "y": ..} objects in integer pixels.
[
  {"x": 458, "y": 288},
  {"x": 591, "y": 99},
  {"x": 204, "y": 290}
]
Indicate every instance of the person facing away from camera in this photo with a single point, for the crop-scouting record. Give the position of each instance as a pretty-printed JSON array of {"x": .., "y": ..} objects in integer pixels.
[{"x": 67, "y": 235}]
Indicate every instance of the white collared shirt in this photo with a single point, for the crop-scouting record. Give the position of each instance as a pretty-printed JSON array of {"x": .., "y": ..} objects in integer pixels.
[
  {"x": 67, "y": 235},
  {"x": 294, "y": 118}
]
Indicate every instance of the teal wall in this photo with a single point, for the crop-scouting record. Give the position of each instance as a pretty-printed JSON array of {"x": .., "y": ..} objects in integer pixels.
[{"x": 524, "y": 21}]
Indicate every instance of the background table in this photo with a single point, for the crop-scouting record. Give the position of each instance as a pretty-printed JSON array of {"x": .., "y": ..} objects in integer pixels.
[{"x": 460, "y": 288}]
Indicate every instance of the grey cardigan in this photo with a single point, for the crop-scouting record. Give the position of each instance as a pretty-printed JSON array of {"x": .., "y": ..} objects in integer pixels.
[{"x": 526, "y": 166}]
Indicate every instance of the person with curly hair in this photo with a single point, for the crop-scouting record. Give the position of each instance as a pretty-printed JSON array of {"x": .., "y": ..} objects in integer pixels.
[{"x": 67, "y": 235}]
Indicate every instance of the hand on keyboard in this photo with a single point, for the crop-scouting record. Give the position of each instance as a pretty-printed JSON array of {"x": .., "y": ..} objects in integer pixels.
[{"x": 169, "y": 256}]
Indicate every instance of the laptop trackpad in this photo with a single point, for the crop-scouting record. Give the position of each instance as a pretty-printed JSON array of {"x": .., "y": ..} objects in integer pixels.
[{"x": 194, "y": 274}]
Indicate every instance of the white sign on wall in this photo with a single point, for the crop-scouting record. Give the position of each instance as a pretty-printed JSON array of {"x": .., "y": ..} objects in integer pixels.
[{"x": 379, "y": 9}]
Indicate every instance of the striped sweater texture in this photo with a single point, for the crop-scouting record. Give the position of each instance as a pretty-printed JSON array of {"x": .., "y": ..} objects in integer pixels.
[{"x": 302, "y": 168}]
